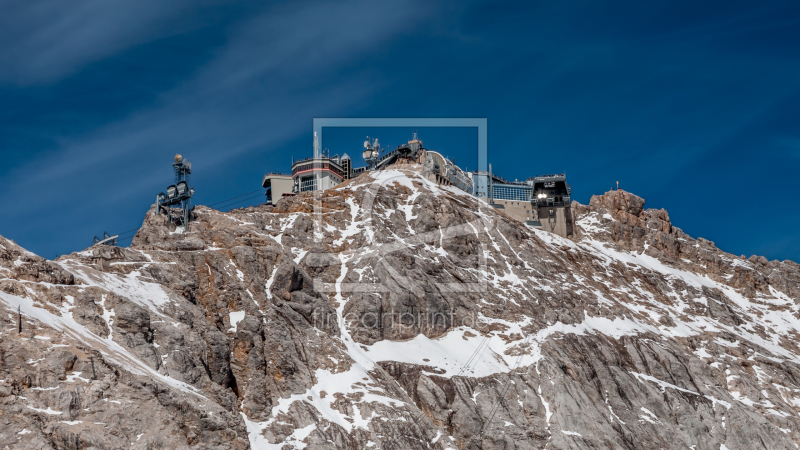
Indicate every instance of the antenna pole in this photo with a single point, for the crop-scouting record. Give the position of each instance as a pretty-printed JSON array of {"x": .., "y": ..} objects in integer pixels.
[{"x": 19, "y": 319}]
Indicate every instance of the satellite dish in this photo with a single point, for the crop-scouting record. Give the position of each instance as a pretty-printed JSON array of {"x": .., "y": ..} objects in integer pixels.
[{"x": 366, "y": 143}]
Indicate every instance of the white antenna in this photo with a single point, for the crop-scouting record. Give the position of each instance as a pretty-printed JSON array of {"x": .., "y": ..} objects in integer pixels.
[{"x": 316, "y": 146}]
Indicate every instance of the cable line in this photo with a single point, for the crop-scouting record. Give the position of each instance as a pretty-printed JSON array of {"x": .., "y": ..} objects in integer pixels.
[
  {"x": 233, "y": 198},
  {"x": 134, "y": 230},
  {"x": 473, "y": 359},
  {"x": 496, "y": 406},
  {"x": 229, "y": 203},
  {"x": 240, "y": 201},
  {"x": 224, "y": 203}
]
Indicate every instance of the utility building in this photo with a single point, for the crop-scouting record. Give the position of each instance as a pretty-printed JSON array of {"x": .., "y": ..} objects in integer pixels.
[
  {"x": 443, "y": 171},
  {"x": 551, "y": 200},
  {"x": 513, "y": 197},
  {"x": 320, "y": 173},
  {"x": 278, "y": 185},
  {"x": 542, "y": 202},
  {"x": 347, "y": 166}
]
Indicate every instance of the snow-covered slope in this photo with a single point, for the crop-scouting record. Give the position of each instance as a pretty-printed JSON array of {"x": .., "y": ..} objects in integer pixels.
[{"x": 395, "y": 313}]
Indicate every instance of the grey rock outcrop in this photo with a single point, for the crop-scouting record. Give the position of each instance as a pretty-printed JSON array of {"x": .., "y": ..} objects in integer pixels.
[{"x": 392, "y": 313}]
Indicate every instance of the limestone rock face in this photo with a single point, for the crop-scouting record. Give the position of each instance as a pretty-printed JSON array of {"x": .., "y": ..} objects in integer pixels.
[{"x": 393, "y": 313}]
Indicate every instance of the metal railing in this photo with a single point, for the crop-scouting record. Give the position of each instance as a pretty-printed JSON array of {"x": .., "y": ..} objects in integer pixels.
[
  {"x": 552, "y": 175},
  {"x": 544, "y": 202}
]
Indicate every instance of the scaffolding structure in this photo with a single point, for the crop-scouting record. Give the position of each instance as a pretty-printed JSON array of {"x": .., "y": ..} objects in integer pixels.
[{"x": 178, "y": 195}]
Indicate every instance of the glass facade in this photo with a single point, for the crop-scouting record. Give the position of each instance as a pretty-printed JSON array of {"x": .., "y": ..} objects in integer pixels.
[
  {"x": 333, "y": 167},
  {"x": 511, "y": 192},
  {"x": 308, "y": 183}
]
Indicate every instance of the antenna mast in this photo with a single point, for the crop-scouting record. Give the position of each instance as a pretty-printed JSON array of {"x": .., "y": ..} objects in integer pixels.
[{"x": 178, "y": 194}]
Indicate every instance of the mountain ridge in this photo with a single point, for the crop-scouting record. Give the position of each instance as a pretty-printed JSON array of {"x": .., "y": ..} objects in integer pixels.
[{"x": 395, "y": 313}]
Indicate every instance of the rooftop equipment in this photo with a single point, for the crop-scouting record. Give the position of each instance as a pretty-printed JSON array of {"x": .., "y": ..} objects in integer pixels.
[
  {"x": 371, "y": 152},
  {"x": 178, "y": 195}
]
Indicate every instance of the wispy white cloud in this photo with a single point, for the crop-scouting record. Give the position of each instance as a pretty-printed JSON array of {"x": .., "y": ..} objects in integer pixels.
[
  {"x": 646, "y": 93},
  {"x": 43, "y": 41},
  {"x": 261, "y": 90}
]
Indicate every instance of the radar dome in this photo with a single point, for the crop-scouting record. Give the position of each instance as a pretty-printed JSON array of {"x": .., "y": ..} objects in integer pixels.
[{"x": 178, "y": 157}]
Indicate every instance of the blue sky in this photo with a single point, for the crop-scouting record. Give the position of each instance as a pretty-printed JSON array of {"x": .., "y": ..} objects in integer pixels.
[{"x": 694, "y": 106}]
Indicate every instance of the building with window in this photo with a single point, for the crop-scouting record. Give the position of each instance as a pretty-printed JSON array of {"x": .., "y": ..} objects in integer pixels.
[
  {"x": 500, "y": 188},
  {"x": 511, "y": 191},
  {"x": 278, "y": 185},
  {"x": 347, "y": 166},
  {"x": 512, "y": 197},
  {"x": 320, "y": 173},
  {"x": 551, "y": 200},
  {"x": 542, "y": 202},
  {"x": 442, "y": 170}
]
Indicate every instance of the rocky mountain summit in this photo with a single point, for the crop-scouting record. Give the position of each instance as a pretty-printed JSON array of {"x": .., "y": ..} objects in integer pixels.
[{"x": 394, "y": 313}]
